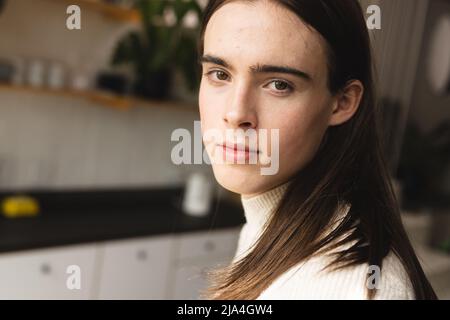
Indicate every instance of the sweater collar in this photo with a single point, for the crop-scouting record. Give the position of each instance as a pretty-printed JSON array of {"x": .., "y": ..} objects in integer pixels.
[{"x": 258, "y": 208}]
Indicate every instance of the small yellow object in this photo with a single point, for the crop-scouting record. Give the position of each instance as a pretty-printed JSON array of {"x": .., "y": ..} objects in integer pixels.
[{"x": 20, "y": 206}]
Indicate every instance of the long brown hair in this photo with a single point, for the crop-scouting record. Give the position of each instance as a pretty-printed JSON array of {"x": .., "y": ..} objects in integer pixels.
[{"x": 348, "y": 168}]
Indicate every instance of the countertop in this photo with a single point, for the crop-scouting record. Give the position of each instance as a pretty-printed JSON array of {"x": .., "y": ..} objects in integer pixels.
[{"x": 91, "y": 216}]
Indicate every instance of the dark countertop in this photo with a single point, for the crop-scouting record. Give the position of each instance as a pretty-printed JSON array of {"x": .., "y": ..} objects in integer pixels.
[{"x": 91, "y": 216}]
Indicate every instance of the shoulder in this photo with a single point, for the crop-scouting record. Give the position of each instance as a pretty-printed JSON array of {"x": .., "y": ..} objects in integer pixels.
[
  {"x": 310, "y": 280},
  {"x": 394, "y": 283}
]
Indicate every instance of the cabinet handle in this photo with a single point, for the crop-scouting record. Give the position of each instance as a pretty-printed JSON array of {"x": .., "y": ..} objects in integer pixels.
[
  {"x": 46, "y": 269},
  {"x": 204, "y": 273},
  {"x": 142, "y": 255},
  {"x": 209, "y": 246}
]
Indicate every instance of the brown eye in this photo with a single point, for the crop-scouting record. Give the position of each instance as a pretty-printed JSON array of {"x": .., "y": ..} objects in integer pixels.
[
  {"x": 280, "y": 85},
  {"x": 216, "y": 75},
  {"x": 221, "y": 75}
]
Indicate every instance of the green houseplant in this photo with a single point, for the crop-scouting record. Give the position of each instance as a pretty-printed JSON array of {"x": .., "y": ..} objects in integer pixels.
[{"x": 157, "y": 50}]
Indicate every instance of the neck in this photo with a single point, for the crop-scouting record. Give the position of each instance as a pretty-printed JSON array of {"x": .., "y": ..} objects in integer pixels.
[{"x": 258, "y": 208}]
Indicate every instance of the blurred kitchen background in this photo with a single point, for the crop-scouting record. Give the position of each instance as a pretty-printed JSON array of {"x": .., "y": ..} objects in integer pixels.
[{"x": 86, "y": 117}]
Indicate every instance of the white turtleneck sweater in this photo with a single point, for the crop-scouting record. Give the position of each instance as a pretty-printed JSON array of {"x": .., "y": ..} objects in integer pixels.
[{"x": 306, "y": 280}]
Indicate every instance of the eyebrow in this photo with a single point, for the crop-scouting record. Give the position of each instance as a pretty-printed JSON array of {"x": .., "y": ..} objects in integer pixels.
[{"x": 257, "y": 68}]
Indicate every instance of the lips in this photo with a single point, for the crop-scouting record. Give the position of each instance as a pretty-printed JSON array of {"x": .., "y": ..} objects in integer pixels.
[
  {"x": 237, "y": 148},
  {"x": 237, "y": 153}
]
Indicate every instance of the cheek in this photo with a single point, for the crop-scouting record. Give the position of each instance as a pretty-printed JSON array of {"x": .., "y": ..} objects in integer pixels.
[
  {"x": 208, "y": 107},
  {"x": 202, "y": 98},
  {"x": 203, "y": 102},
  {"x": 300, "y": 136}
]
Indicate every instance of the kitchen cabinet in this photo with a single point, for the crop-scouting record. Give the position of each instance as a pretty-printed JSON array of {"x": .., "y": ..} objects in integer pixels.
[
  {"x": 163, "y": 267},
  {"x": 152, "y": 267},
  {"x": 202, "y": 245},
  {"x": 197, "y": 254},
  {"x": 135, "y": 269},
  {"x": 42, "y": 274},
  {"x": 191, "y": 278}
]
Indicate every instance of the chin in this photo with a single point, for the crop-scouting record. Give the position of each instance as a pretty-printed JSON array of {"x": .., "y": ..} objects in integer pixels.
[{"x": 242, "y": 179}]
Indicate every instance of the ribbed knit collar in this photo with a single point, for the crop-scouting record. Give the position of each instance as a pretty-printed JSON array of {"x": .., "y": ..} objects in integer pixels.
[{"x": 258, "y": 208}]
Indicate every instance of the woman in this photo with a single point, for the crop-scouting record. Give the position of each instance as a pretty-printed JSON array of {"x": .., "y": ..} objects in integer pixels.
[{"x": 326, "y": 225}]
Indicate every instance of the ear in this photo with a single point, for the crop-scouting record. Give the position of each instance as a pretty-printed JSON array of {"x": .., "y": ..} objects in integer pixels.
[{"x": 346, "y": 102}]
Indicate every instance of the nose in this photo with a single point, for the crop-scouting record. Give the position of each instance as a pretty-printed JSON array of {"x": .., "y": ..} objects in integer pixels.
[{"x": 240, "y": 112}]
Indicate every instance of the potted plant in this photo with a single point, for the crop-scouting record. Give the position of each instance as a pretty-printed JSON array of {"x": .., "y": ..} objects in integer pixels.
[{"x": 159, "y": 49}]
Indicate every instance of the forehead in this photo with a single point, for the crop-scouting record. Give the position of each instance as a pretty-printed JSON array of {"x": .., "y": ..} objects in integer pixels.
[{"x": 263, "y": 32}]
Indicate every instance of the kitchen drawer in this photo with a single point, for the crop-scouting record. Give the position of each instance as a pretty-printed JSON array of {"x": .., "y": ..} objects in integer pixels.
[
  {"x": 135, "y": 269},
  {"x": 41, "y": 274},
  {"x": 191, "y": 279},
  {"x": 198, "y": 245}
]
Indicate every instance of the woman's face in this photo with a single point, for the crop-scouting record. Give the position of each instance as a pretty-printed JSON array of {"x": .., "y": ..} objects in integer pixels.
[{"x": 240, "y": 89}]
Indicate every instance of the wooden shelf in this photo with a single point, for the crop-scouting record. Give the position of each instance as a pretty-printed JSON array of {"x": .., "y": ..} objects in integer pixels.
[
  {"x": 103, "y": 98},
  {"x": 112, "y": 11},
  {"x": 95, "y": 96}
]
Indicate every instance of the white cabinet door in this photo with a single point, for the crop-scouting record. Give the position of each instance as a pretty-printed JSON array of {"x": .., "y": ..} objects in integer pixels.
[
  {"x": 42, "y": 274},
  {"x": 191, "y": 278},
  {"x": 135, "y": 269},
  {"x": 197, "y": 254},
  {"x": 198, "y": 245}
]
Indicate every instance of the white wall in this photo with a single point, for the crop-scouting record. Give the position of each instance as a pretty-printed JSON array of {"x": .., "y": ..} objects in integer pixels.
[{"x": 54, "y": 141}]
